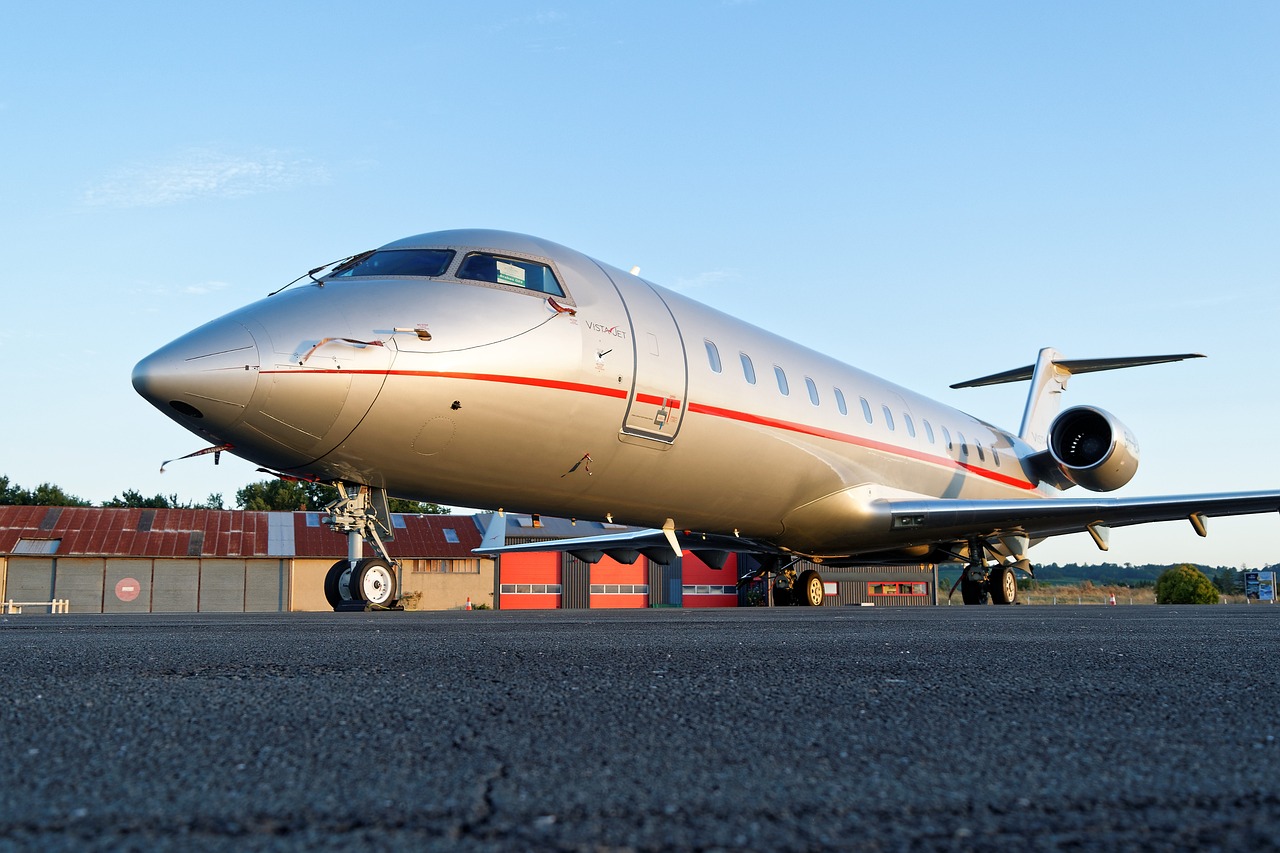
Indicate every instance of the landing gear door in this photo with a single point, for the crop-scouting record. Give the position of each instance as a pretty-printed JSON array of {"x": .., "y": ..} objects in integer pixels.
[{"x": 657, "y": 403}]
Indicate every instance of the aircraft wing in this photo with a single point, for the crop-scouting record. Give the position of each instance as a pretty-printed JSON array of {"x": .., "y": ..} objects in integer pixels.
[
  {"x": 937, "y": 520},
  {"x": 660, "y": 544},
  {"x": 897, "y": 523}
]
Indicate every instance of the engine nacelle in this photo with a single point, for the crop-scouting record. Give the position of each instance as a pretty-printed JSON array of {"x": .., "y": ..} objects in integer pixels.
[{"x": 1093, "y": 449}]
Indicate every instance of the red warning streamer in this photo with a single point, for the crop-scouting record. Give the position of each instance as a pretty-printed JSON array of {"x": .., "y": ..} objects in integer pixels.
[{"x": 216, "y": 451}]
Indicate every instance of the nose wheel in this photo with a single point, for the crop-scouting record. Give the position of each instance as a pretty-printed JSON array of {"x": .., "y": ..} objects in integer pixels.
[
  {"x": 357, "y": 583},
  {"x": 374, "y": 582},
  {"x": 367, "y": 583}
]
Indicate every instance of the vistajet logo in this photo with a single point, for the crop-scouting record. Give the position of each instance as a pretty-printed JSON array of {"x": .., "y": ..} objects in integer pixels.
[{"x": 615, "y": 331}]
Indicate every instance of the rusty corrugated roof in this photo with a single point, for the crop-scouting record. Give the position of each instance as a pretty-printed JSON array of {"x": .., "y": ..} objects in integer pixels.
[
  {"x": 103, "y": 532},
  {"x": 421, "y": 536}
]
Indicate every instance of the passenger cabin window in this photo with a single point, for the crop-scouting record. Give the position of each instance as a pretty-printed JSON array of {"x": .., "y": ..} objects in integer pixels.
[
  {"x": 964, "y": 446},
  {"x": 748, "y": 369},
  {"x": 888, "y": 416},
  {"x": 995, "y": 455},
  {"x": 928, "y": 431},
  {"x": 911, "y": 427},
  {"x": 866, "y": 409},
  {"x": 513, "y": 272},
  {"x": 386, "y": 262},
  {"x": 946, "y": 437},
  {"x": 840, "y": 404},
  {"x": 813, "y": 390},
  {"x": 713, "y": 356},
  {"x": 981, "y": 456},
  {"x": 782, "y": 380}
]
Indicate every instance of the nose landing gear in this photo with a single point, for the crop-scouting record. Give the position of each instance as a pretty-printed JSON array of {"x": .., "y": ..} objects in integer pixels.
[
  {"x": 364, "y": 585},
  {"x": 359, "y": 583}
]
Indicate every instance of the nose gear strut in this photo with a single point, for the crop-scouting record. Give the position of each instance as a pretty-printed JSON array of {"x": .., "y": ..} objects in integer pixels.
[{"x": 357, "y": 583}]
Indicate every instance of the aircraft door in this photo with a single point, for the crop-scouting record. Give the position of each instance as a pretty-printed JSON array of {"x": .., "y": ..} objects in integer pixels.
[{"x": 657, "y": 403}]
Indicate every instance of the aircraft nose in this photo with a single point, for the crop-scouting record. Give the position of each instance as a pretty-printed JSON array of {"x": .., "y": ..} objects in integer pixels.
[{"x": 204, "y": 379}]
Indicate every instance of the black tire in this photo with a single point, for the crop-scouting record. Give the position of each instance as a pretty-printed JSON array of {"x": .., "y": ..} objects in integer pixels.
[
  {"x": 1003, "y": 584},
  {"x": 972, "y": 592},
  {"x": 783, "y": 597},
  {"x": 811, "y": 592},
  {"x": 333, "y": 587},
  {"x": 374, "y": 582}
]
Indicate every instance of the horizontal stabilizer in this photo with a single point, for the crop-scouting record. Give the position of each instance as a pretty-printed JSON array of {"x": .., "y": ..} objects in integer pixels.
[
  {"x": 1049, "y": 377},
  {"x": 1077, "y": 365}
]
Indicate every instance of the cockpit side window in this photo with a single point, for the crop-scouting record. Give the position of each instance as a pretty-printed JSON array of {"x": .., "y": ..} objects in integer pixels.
[
  {"x": 514, "y": 272},
  {"x": 418, "y": 262}
]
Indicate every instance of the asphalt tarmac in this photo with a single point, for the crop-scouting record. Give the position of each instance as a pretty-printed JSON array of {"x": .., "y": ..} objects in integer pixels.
[{"x": 787, "y": 729}]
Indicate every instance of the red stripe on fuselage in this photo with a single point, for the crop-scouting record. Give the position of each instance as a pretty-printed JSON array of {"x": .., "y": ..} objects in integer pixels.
[
  {"x": 693, "y": 408},
  {"x": 532, "y": 381},
  {"x": 845, "y": 438},
  {"x": 657, "y": 401}
]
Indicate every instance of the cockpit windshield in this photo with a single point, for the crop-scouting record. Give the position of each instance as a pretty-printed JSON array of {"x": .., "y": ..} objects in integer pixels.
[
  {"x": 418, "y": 262},
  {"x": 514, "y": 272}
]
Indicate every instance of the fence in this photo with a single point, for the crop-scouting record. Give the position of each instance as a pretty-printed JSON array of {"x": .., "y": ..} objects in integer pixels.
[{"x": 57, "y": 605}]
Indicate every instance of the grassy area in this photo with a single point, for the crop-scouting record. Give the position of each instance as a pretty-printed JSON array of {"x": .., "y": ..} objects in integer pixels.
[{"x": 1098, "y": 595}]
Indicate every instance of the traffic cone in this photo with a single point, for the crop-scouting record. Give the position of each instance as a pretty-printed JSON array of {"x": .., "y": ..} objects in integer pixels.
[
  {"x": 1113, "y": 599},
  {"x": 469, "y": 602}
]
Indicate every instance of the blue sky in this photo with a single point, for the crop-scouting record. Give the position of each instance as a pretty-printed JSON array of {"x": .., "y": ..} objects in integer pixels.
[{"x": 931, "y": 191}]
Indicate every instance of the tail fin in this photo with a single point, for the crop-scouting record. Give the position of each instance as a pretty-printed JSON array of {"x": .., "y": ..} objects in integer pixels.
[{"x": 1049, "y": 377}]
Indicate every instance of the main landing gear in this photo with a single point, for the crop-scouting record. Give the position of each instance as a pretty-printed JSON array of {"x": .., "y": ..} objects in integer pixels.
[
  {"x": 359, "y": 583},
  {"x": 791, "y": 587},
  {"x": 997, "y": 581}
]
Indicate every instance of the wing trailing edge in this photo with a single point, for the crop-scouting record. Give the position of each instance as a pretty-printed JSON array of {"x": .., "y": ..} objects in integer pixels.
[
  {"x": 894, "y": 526},
  {"x": 933, "y": 521}
]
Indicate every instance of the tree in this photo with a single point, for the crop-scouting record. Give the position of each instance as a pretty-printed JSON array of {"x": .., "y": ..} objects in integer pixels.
[
  {"x": 408, "y": 507},
  {"x": 290, "y": 495},
  {"x": 1185, "y": 584},
  {"x": 134, "y": 498},
  {"x": 1228, "y": 581},
  {"x": 45, "y": 494},
  {"x": 284, "y": 496}
]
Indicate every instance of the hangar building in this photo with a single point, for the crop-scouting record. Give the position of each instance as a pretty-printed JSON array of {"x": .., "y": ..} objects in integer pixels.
[
  {"x": 168, "y": 560},
  {"x": 188, "y": 560},
  {"x": 550, "y": 579}
]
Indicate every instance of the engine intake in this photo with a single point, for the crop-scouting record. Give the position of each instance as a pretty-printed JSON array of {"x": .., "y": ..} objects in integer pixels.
[{"x": 1092, "y": 449}]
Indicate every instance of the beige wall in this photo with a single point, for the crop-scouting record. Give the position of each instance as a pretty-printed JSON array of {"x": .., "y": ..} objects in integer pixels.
[
  {"x": 448, "y": 591},
  {"x": 176, "y": 585},
  {"x": 306, "y": 585},
  {"x": 440, "y": 590}
]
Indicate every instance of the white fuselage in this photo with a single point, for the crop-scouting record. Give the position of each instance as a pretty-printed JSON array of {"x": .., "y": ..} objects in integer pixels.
[{"x": 487, "y": 395}]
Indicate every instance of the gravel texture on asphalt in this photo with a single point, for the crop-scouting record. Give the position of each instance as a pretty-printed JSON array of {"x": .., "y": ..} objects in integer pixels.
[{"x": 772, "y": 729}]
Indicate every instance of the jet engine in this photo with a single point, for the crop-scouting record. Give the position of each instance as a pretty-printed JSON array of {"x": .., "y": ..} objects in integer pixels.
[{"x": 1093, "y": 449}]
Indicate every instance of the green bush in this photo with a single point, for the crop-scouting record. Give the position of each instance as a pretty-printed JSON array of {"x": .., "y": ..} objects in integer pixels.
[{"x": 1185, "y": 585}]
